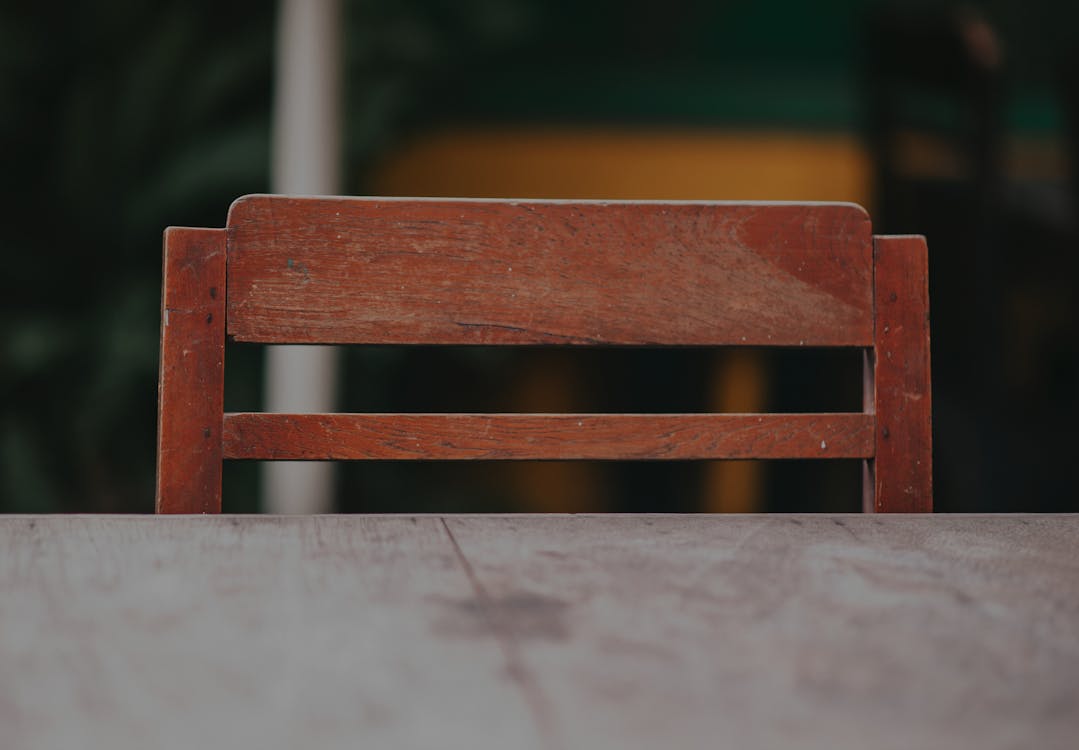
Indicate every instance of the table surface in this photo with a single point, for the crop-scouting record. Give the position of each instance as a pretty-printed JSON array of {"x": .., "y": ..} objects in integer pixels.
[{"x": 539, "y": 631}]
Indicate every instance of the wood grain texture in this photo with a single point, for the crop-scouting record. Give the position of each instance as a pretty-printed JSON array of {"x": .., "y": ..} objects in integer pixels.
[
  {"x": 757, "y": 632},
  {"x": 903, "y": 461},
  {"x": 420, "y": 271},
  {"x": 804, "y": 632},
  {"x": 191, "y": 378},
  {"x": 243, "y": 634},
  {"x": 408, "y": 271},
  {"x": 546, "y": 436}
]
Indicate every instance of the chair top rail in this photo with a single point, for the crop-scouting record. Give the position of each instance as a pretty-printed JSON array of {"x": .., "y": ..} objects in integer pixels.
[{"x": 440, "y": 271}]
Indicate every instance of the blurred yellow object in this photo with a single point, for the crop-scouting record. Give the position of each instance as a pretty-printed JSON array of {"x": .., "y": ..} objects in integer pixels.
[
  {"x": 639, "y": 164},
  {"x": 628, "y": 164}
]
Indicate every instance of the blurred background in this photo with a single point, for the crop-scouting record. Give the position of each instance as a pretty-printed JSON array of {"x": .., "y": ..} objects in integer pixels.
[{"x": 957, "y": 121}]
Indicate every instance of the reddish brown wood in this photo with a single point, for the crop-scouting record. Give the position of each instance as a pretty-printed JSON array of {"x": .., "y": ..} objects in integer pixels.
[
  {"x": 407, "y": 271},
  {"x": 903, "y": 466},
  {"x": 546, "y": 436},
  {"x": 191, "y": 387},
  {"x": 315, "y": 270}
]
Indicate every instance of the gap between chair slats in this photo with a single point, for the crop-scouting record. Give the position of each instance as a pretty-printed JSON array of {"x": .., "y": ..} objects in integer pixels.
[{"x": 265, "y": 436}]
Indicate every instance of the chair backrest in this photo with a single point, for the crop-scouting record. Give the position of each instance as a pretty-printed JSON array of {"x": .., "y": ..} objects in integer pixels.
[{"x": 579, "y": 273}]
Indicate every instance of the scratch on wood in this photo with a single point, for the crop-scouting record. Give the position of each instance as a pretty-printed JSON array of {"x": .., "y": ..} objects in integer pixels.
[{"x": 539, "y": 706}]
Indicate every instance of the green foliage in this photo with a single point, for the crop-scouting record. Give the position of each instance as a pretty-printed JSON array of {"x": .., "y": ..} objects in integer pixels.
[{"x": 119, "y": 118}]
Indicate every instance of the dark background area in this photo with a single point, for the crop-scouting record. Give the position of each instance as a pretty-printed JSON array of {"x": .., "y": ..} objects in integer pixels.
[{"x": 119, "y": 118}]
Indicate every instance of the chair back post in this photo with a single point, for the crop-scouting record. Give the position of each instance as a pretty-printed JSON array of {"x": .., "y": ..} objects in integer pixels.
[
  {"x": 192, "y": 375},
  {"x": 899, "y": 479}
]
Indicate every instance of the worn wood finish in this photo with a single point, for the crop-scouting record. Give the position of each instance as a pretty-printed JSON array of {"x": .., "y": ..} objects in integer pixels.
[
  {"x": 810, "y": 632},
  {"x": 546, "y": 436},
  {"x": 191, "y": 384},
  {"x": 407, "y": 271},
  {"x": 903, "y": 465},
  {"x": 419, "y": 271},
  {"x": 242, "y": 634}
]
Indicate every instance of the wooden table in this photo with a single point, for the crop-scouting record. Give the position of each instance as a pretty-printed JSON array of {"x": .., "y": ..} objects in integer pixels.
[{"x": 539, "y": 631}]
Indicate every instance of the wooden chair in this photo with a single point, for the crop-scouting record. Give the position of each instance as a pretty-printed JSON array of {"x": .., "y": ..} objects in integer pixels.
[{"x": 423, "y": 271}]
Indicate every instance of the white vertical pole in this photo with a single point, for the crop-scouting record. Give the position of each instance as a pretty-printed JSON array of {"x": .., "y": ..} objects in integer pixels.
[{"x": 306, "y": 161}]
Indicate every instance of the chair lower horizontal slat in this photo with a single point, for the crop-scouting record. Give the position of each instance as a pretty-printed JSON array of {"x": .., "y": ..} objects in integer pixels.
[{"x": 315, "y": 437}]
